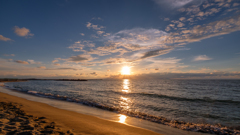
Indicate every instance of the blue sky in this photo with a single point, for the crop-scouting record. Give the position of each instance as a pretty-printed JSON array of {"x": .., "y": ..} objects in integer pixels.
[{"x": 96, "y": 38}]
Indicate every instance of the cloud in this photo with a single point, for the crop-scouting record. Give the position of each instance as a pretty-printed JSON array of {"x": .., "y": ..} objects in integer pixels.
[
  {"x": 180, "y": 24},
  {"x": 171, "y": 64},
  {"x": 82, "y": 34},
  {"x": 94, "y": 73},
  {"x": 56, "y": 64},
  {"x": 33, "y": 62},
  {"x": 107, "y": 34},
  {"x": 173, "y": 3},
  {"x": 9, "y": 54},
  {"x": 200, "y": 32},
  {"x": 209, "y": 75},
  {"x": 138, "y": 36},
  {"x": 42, "y": 67},
  {"x": 156, "y": 52},
  {"x": 107, "y": 50},
  {"x": 182, "y": 18},
  {"x": 21, "y": 62},
  {"x": 182, "y": 49},
  {"x": 79, "y": 45},
  {"x": 62, "y": 69},
  {"x": 56, "y": 60},
  {"x": 124, "y": 41},
  {"x": 80, "y": 58},
  {"x": 236, "y": 4},
  {"x": 166, "y": 19},
  {"x": 201, "y": 58},
  {"x": 22, "y": 32},
  {"x": 115, "y": 61},
  {"x": 100, "y": 32},
  {"x": 4, "y": 38},
  {"x": 95, "y": 27},
  {"x": 96, "y": 18}
]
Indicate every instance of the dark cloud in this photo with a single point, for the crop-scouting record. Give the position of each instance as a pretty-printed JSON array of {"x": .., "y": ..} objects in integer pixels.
[
  {"x": 93, "y": 73},
  {"x": 21, "y": 62},
  {"x": 42, "y": 67},
  {"x": 62, "y": 69},
  {"x": 115, "y": 61},
  {"x": 156, "y": 52},
  {"x": 80, "y": 58}
]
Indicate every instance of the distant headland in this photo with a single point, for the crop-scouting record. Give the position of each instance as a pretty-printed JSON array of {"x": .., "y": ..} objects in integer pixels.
[{"x": 28, "y": 79}]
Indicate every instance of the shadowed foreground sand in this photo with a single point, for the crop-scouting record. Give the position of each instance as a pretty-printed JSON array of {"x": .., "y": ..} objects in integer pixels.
[{"x": 41, "y": 118}]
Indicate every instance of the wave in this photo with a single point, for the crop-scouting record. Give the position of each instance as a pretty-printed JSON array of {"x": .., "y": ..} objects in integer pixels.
[
  {"x": 205, "y": 128},
  {"x": 152, "y": 95},
  {"x": 205, "y": 99}
]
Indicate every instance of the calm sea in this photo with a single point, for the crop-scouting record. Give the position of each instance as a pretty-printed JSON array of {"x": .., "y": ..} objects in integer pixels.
[{"x": 197, "y": 101}]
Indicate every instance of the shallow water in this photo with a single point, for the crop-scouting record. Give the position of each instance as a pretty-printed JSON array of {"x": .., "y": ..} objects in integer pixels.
[{"x": 197, "y": 101}]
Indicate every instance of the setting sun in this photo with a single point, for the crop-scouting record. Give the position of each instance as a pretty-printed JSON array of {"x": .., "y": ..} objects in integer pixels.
[{"x": 125, "y": 70}]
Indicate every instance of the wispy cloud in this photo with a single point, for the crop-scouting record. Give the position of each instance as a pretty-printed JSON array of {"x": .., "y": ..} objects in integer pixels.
[
  {"x": 156, "y": 52},
  {"x": 171, "y": 64},
  {"x": 94, "y": 73},
  {"x": 42, "y": 67},
  {"x": 95, "y": 27},
  {"x": 54, "y": 61},
  {"x": 9, "y": 54},
  {"x": 56, "y": 64},
  {"x": 173, "y": 3},
  {"x": 33, "y": 62},
  {"x": 21, "y": 62},
  {"x": 100, "y": 32},
  {"x": 4, "y": 38},
  {"x": 114, "y": 61},
  {"x": 62, "y": 69},
  {"x": 79, "y": 45},
  {"x": 200, "y": 32},
  {"x": 166, "y": 19},
  {"x": 80, "y": 58},
  {"x": 202, "y": 58},
  {"x": 209, "y": 75},
  {"x": 96, "y": 18},
  {"x": 23, "y": 32},
  {"x": 138, "y": 36}
]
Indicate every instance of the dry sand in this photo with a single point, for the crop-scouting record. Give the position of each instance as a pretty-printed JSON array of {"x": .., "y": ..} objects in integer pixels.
[{"x": 56, "y": 120}]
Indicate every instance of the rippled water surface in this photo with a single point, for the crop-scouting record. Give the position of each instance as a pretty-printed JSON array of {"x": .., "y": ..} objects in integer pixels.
[{"x": 198, "y": 101}]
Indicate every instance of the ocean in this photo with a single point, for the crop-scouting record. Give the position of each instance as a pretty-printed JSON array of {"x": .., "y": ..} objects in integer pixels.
[{"x": 165, "y": 101}]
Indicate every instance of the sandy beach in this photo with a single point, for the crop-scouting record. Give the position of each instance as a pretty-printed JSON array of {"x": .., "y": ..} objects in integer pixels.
[{"x": 42, "y": 118}]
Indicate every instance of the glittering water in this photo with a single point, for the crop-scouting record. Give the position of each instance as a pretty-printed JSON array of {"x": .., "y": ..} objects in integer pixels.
[{"x": 198, "y": 101}]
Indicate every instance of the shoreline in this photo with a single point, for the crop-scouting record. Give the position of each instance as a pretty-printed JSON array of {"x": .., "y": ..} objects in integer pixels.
[
  {"x": 175, "y": 124},
  {"x": 76, "y": 122},
  {"x": 99, "y": 113}
]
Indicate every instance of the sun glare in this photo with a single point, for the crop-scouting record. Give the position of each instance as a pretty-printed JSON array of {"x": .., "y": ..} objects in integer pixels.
[
  {"x": 125, "y": 70},
  {"x": 122, "y": 118}
]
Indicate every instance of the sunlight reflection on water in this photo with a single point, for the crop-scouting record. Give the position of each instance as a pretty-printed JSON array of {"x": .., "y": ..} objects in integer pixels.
[
  {"x": 124, "y": 102},
  {"x": 122, "y": 118}
]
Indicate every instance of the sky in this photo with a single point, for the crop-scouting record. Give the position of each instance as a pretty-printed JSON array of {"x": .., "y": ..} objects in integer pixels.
[{"x": 87, "y": 39}]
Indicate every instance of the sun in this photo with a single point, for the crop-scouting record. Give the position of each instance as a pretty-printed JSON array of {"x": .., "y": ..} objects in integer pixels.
[{"x": 125, "y": 70}]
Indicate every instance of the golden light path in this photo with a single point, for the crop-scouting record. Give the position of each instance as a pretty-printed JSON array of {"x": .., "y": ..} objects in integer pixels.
[
  {"x": 125, "y": 70},
  {"x": 122, "y": 118},
  {"x": 124, "y": 102},
  {"x": 125, "y": 85}
]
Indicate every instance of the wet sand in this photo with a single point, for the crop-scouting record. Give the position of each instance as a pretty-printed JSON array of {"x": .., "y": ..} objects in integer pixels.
[{"x": 21, "y": 115}]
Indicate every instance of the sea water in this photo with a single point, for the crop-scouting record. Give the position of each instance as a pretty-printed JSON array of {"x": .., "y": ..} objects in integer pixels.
[{"x": 163, "y": 101}]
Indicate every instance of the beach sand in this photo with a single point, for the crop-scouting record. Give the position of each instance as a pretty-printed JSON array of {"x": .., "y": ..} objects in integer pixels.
[{"x": 41, "y": 118}]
